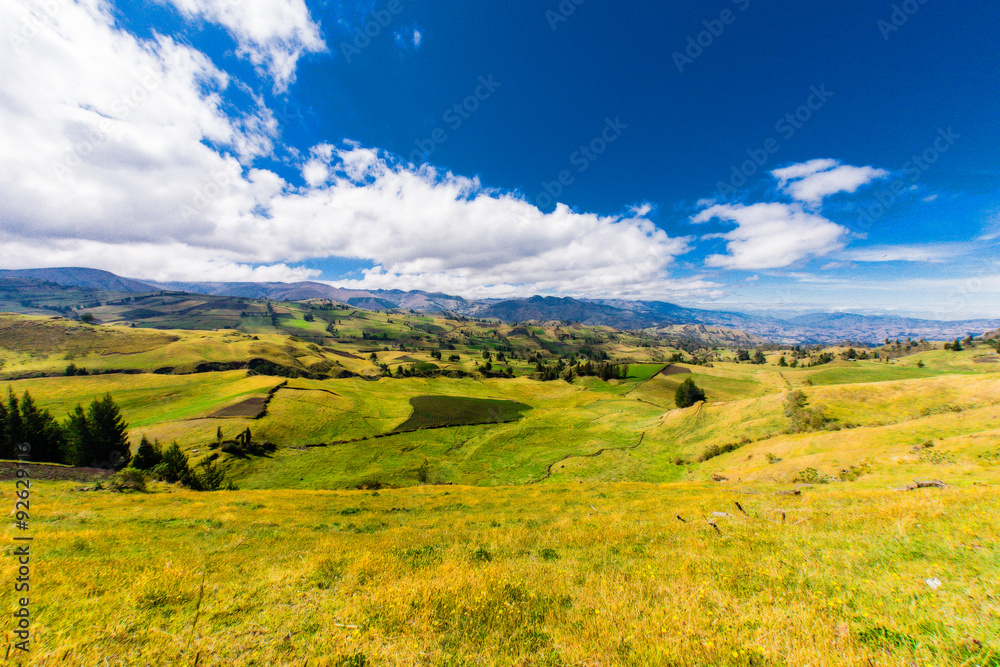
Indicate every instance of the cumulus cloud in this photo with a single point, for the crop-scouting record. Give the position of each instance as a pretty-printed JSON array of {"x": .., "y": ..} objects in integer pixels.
[
  {"x": 121, "y": 154},
  {"x": 641, "y": 210},
  {"x": 272, "y": 34},
  {"x": 771, "y": 235},
  {"x": 810, "y": 182}
]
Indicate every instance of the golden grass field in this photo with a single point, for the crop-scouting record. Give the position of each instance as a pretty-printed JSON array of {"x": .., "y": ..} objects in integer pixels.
[
  {"x": 550, "y": 540},
  {"x": 565, "y": 574}
]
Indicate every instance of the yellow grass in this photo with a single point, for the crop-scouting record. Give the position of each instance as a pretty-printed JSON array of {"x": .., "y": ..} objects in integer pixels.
[{"x": 545, "y": 575}]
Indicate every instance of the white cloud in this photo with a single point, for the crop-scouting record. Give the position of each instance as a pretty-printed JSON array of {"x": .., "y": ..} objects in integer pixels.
[
  {"x": 641, "y": 210},
  {"x": 811, "y": 181},
  {"x": 771, "y": 235},
  {"x": 118, "y": 154},
  {"x": 107, "y": 136},
  {"x": 150, "y": 261},
  {"x": 991, "y": 230},
  {"x": 939, "y": 252},
  {"x": 803, "y": 169},
  {"x": 408, "y": 38},
  {"x": 443, "y": 231},
  {"x": 272, "y": 34}
]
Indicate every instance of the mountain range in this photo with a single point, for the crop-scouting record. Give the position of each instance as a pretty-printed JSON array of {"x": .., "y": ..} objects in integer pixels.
[{"x": 618, "y": 313}]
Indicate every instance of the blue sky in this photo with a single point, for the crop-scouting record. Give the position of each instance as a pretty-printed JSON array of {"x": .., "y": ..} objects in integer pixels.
[{"x": 777, "y": 157}]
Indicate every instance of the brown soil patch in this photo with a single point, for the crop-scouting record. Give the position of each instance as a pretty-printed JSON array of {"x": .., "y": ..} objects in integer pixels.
[
  {"x": 52, "y": 472},
  {"x": 986, "y": 360},
  {"x": 248, "y": 407},
  {"x": 674, "y": 370},
  {"x": 341, "y": 353}
]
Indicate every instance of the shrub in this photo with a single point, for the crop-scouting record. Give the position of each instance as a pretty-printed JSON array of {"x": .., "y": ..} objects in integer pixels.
[
  {"x": 802, "y": 419},
  {"x": 482, "y": 555},
  {"x": 811, "y": 476},
  {"x": 129, "y": 479},
  {"x": 548, "y": 554},
  {"x": 718, "y": 450},
  {"x": 687, "y": 394},
  {"x": 209, "y": 478}
]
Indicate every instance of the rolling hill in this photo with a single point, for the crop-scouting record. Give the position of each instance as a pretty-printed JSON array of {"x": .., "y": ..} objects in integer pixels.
[{"x": 825, "y": 328}]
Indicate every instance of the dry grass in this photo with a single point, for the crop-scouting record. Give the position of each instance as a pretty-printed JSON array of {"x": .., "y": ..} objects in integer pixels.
[{"x": 555, "y": 575}]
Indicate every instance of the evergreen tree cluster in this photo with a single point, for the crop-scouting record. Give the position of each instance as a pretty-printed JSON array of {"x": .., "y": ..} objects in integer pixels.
[
  {"x": 172, "y": 465},
  {"x": 568, "y": 370},
  {"x": 95, "y": 437}
]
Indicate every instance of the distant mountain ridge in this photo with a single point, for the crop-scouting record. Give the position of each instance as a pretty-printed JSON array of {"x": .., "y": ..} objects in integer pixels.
[
  {"x": 618, "y": 313},
  {"x": 81, "y": 277}
]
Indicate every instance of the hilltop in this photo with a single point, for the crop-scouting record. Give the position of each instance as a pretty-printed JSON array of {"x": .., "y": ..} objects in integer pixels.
[{"x": 813, "y": 328}]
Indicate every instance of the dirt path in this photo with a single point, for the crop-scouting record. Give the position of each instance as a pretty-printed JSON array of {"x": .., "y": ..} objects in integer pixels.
[{"x": 548, "y": 470}]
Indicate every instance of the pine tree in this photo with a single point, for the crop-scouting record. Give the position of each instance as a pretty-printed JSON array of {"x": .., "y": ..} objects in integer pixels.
[
  {"x": 41, "y": 432},
  {"x": 110, "y": 432},
  {"x": 99, "y": 436},
  {"x": 13, "y": 426},
  {"x": 6, "y": 449},
  {"x": 78, "y": 440},
  {"x": 174, "y": 467},
  {"x": 147, "y": 456}
]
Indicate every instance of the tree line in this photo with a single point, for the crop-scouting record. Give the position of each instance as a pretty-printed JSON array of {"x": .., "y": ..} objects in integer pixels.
[{"x": 96, "y": 437}]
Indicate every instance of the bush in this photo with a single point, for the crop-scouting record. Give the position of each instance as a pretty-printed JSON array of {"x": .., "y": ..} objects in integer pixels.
[
  {"x": 688, "y": 393},
  {"x": 802, "y": 419},
  {"x": 718, "y": 450},
  {"x": 811, "y": 476},
  {"x": 209, "y": 478},
  {"x": 129, "y": 479}
]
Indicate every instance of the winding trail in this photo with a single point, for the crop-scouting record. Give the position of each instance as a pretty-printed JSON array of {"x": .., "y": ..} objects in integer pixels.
[{"x": 548, "y": 470}]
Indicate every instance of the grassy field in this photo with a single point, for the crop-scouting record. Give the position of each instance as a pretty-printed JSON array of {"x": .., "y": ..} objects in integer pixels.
[
  {"x": 592, "y": 574},
  {"x": 477, "y": 520}
]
